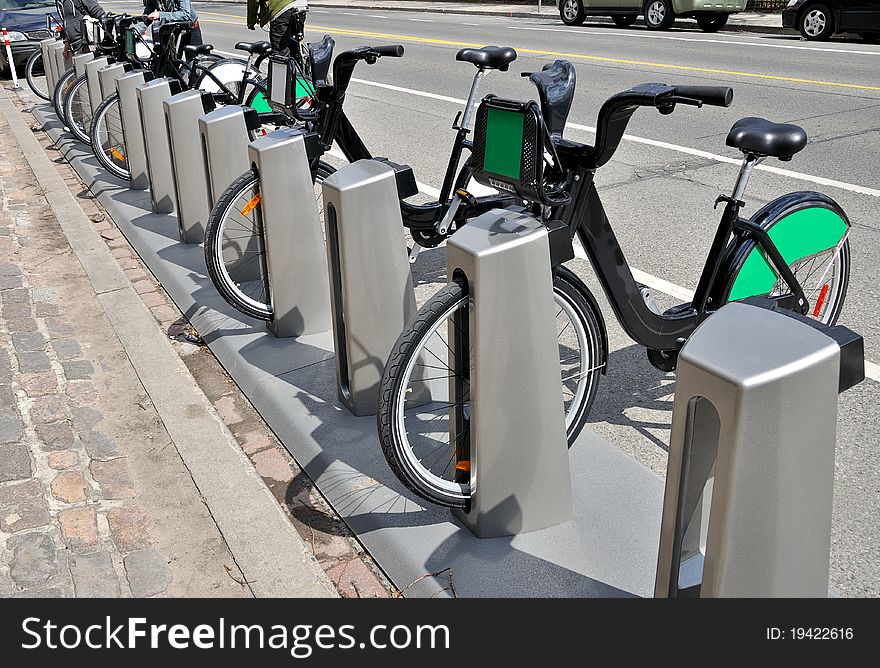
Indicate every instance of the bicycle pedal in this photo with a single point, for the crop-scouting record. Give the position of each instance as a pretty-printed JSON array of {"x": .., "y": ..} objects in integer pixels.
[{"x": 650, "y": 302}]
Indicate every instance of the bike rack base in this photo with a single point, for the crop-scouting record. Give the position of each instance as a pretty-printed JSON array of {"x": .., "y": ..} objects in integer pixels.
[
  {"x": 182, "y": 113},
  {"x": 150, "y": 96},
  {"x": 132, "y": 129},
  {"x": 371, "y": 285},
  {"x": 519, "y": 451},
  {"x": 750, "y": 479},
  {"x": 295, "y": 256}
]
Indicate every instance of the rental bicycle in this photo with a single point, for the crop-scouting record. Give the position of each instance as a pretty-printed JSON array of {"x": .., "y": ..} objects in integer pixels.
[
  {"x": 794, "y": 250},
  {"x": 34, "y": 69},
  {"x": 237, "y": 213}
]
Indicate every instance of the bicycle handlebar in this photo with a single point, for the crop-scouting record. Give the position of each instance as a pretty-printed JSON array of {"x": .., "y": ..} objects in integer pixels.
[
  {"x": 343, "y": 66},
  {"x": 716, "y": 96},
  {"x": 392, "y": 50}
]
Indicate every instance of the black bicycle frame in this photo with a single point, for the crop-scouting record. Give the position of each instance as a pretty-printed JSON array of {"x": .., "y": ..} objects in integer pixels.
[{"x": 586, "y": 218}]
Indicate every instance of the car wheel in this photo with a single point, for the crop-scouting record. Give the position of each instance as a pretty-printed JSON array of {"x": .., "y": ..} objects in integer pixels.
[
  {"x": 659, "y": 14},
  {"x": 623, "y": 21},
  {"x": 712, "y": 21},
  {"x": 572, "y": 12},
  {"x": 817, "y": 23}
]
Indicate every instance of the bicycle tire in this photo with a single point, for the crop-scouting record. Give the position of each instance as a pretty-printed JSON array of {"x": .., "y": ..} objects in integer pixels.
[
  {"x": 244, "y": 189},
  {"x": 38, "y": 83},
  {"x": 78, "y": 110},
  {"x": 394, "y": 386},
  {"x": 108, "y": 141},
  {"x": 62, "y": 87}
]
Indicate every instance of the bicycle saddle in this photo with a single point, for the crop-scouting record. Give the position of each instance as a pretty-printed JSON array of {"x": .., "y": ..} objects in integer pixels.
[
  {"x": 259, "y": 48},
  {"x": 555, "y": 84},
  {"x": 320, "y": 55},
  {"x": 198, "y": 49},
  {"x": 765, "y": 138},
  {"x": 489, "y": 57}
]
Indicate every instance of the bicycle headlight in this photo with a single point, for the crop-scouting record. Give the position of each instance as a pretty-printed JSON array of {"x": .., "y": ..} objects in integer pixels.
[{"x": 15, "y": 36}]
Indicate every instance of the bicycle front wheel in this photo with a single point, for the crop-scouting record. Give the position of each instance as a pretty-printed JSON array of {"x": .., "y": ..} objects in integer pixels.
[
  {"x": 424, "y": 408},
  {"x": 62, "y": 88},
  {"x": 36, "y": 75},
  {"x": 234, "y": 251},
  {"x": 78, "y": 110},
  {"x": 108, "y": 141}
]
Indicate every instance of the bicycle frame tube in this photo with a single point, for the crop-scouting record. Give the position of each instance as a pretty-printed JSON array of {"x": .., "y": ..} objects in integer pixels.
[{"x": 587, "y": 219}]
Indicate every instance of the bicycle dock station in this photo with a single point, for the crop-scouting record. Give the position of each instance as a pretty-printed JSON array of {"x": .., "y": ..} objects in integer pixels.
[
  {"x": 150, "y": 96},
  {"x": 751, "y": 458},
  {"x": 519, "y": 449},
  {"x": 225, "y": 148},
  {"x": 372, "y": 298},
  {"x": 132, "y": 128},
  {"x": 182, "y": 113},
  {"x": 96, "y": 95},
  {"x": 296, "y": 262},
  {"x": 57, "y": 62},
  {"x": 45, "y": 46}
]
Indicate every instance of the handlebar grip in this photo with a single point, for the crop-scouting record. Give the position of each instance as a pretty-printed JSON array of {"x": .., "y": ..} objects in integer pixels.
[
  {"x": 391, "y": 50},
  {"x": 716, "y": 96}
]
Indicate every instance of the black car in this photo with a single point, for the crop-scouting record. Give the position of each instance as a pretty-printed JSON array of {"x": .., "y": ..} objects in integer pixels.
[
  {"x": 25, "y": 22},
  {"x": 820, "y": 19}
]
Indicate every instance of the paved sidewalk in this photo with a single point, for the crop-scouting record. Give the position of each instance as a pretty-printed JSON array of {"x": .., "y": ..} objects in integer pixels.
[
  {"x": 102, "y": 489},
  {"x": 755, "y": 21}
]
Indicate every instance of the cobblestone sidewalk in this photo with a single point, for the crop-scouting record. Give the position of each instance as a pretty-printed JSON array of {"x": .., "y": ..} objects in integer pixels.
[{"x": 93, "y": 502}]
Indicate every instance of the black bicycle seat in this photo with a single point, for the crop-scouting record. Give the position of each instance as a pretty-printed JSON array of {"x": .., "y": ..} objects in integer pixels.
[
  {"x": 198, "y": 50},
  {"x": 765, "y": 138},
  {"x": 489, "y": 57},
  {"x": 258, "y": 48},
  {"x": 555, "y": 84}
]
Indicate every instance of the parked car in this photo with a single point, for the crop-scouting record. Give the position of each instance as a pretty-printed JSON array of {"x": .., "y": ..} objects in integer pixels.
[
  {"x": 711, "y": 15},
  {"x": 25, "y": 22},
  {"x": 820, "y": 19}
]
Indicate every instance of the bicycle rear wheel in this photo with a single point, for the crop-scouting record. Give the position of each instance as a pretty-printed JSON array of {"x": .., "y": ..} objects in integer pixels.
[
  {"x": 36, "y": 75},
  {"x": 78, "y": 110},
  {"x": 62, "y": 88},
  {"x": 108, "y": 140},
  {"x": 424, "y": 395},
  {"x": 234, "y": 250},
  {"x": 814, "y": 240}
]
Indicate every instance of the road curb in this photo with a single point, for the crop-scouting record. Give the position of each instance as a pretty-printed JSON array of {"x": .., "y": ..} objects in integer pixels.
[{"x": 268, "y": 550}]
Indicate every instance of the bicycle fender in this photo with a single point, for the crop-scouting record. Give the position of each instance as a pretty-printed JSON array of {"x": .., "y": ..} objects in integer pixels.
[{"x": 800, "y": 224}]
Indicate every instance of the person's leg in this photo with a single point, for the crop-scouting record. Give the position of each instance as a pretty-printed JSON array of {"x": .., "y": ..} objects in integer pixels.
[{"x": 280, "y": 33}]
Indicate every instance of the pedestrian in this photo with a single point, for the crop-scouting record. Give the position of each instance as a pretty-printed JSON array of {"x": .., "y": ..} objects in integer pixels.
[
  {"x": 72, "y": 13},
  {"x": 286, "y": 19},
  {"x": 175, "y": 10}
]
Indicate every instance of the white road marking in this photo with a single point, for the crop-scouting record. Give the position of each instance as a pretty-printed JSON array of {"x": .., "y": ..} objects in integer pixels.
[
  {"x": 701, "y": 39},
  {"x": 470, "y": 24},
  {"x": 818, "y": 180},
  {"x": 422, "y": 20},
  {"x": 376, "y": 16},
  {"x": 872, "y": 371}
]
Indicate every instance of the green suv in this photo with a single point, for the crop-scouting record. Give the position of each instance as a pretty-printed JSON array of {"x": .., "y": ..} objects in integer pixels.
[{"x": 711, "y": 15}]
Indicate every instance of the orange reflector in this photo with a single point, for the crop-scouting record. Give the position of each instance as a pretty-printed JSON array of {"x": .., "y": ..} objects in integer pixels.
[
  {"x": 117, "y": 154},
  {"x": 464, "y": 465},
  {"x": 823, "y": 293},
  {"x": 251, "y": 205}
]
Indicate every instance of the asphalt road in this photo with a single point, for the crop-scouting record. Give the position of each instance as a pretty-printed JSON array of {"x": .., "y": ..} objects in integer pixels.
[{"x": 660, "y": 187}]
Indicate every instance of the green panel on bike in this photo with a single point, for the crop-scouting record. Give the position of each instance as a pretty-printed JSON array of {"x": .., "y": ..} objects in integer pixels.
[
  {"x": 798, "y": 235},
  {"x": 260, "y": 103},
  {"x": 504, "y": 139}
]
